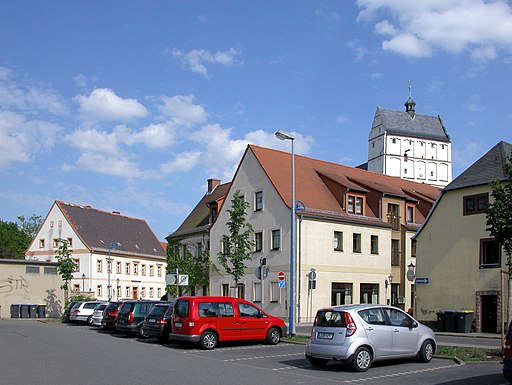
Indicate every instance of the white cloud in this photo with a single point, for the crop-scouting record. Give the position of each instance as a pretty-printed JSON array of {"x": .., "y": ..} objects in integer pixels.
[
  {"x": 197, "y": 59},
  {"x": 109, "y": 164},
  {"x": 185, "y": 161},
  {"x": 182, "y": 110},
  {"x": 104, "y": 104},
  {"x": 341, "y": 119},
  {"x": 21, "y": 139},
  {"x": 420, "y": 28},
  {"x": 154, "y": 136},
  {"x": 358, "y": 48},
  {"x": 93, "y": 140}
]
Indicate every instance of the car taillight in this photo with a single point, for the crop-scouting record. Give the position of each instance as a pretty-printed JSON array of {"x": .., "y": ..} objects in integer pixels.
[
  {"x": 130, "y": 318},
  {"x": 351, "y": 326},
  {"x": 507, "y": 348},
  {"x": 161, "y": 322},
  {"x": 112, "y": 313}
]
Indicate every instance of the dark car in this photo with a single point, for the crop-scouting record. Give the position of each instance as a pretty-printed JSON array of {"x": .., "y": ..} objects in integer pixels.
[
  {"x": 131, "y": 315},
  {"x": 158, "y": 322},
  {"x": 507, "y": 355},
  {"x": 108, "y": 321}
]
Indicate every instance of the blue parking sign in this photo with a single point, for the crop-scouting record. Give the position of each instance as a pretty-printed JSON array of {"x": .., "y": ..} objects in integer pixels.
[{"x": 282, "y": 284}]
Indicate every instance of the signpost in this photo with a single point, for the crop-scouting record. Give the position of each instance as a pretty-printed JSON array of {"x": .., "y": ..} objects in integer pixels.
[{"x": 422, "y": 281}]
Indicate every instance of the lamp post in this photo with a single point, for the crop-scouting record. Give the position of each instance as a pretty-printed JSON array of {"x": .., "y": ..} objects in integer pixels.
[
  {"x": 281, "y": 135},
  {"x": 117, "y": 288},
  {"x": 83, "y": 282},
  {"x": 411, "y": 276},
  {"x": 113, "y": 245}
]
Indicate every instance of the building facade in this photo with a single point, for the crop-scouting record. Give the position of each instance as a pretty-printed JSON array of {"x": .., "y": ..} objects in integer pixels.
[
  {"x": 354, "y": 230},
  {"x": 412, "y": 146},
  {"x": 95, "y": 237},
  {"x": 456, "y": 254}
]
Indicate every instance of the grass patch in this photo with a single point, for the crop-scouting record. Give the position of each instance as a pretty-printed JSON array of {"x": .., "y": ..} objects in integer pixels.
[{"x": 466, "y": 354}]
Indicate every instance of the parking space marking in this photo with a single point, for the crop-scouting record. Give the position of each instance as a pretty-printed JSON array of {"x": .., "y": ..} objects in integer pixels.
[
  {"x": 224, "y": 349},
  {"x": 262, "y": 357},
  {"x": 399, "y": 374}
]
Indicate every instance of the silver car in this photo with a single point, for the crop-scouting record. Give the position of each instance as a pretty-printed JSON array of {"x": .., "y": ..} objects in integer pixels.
[
  {"x": 97, "y": 314},
  {"x": 362, "y": 334}
]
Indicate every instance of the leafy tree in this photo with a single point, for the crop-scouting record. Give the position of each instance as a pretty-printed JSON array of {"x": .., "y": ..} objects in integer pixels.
[
  {"x": 197, "y": 267},
  {"x": 237, "y": 246},
  {"x": 13, "y": 241},
  {"x": 66, "y": 265},
  {"x": 499, "y": 220},
  {"x": 30, "y": 226}
]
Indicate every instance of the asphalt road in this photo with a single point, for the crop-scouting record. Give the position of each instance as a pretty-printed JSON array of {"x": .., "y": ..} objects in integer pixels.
[{"x": 33, "y": 352}]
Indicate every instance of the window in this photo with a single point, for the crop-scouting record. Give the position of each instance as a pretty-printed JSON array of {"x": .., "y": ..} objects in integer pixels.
[
  {"x": 475, "y": 204},
  {"x": 356, "y": 243},
  {"x": 341, "y": 293},
  {"x": 31, "y": 270},
  {"x": 240, "y": 290},
  {"x": 118, "y": 267},
  {"x": 354, "y": 205},
  {"x": 118, "y": 292},
  {"x": 369, "y": 293},
  {"x": 413, "y": 248},
  {"x": 258, "y": 201},
  {"x": 55, "y": 243},
  {"x": 77, "y": 264},
  {"x": 256, "y": 295},
  {"x": 76, "y": 287},
  {"x": 151, "y": 292},
  {"x": 338, "y": 241},
  {"x": 159, "y": 271},
  {"x": 143, "y": 291},
  {"x": 394, "y": 216},
  {"x": 374, "y": 244},
  {"x": 50, "y": 271},
  {"x": 127, "y": 268},
  {"x": 70, "y": 241},
  {"x": 410, "y": 214},
  {"x": 151, "y": 270},
  {"x": 199, "y": 249},
  {"x": 183, "y": 251},
  {"x": 258, "y": 241},
  {"x": 159, "y": 292},
  {"x": 395, "y": 252},
  {"x": 127, "y": 292},
  {"x": 225, "y": 290},
  {"x": 41, "y": 243},
  {"x": 275, "y": 293},
  {"x": 143, "y": 270},
  {"x": 99, "y": 290},
  {"x": 215, "y": 309},
  {"x": 99, "y": 265},
  {"x": 135, "y": 269},
  {"x": 398, "y": 318},
  {"x": 276, "y": 239},
  {"x": 489, "y": 253},
  {"x": 246, "y": 310}
]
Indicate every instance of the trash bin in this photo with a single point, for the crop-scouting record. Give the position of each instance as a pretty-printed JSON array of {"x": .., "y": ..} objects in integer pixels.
[
  {"x": 464, "y": 321},
  {"x": 41, "y": 311},
  {"x": 32, "y": 311},
  {"x": 451, "y": 320},
  {"x": 25, "y": 311},
  {"x": 15, "y": 311},
  {"x": 441, "y": 321}
]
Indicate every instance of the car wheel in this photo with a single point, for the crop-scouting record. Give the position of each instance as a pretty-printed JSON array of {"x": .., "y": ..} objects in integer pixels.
[
  {"x": 142, "y": 334},
  {"x": 318, "y": 362},
  {"x": 89, "y": 320},
  {"x": 362, "y": 359},
  {"x": 273, "y": 336},
  {"x": 426, "y": 352},
  {"x": 208, "y": 340}
]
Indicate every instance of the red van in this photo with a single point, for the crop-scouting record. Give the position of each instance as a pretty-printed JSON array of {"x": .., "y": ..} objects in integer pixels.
[{"x": 210, "y": 320}]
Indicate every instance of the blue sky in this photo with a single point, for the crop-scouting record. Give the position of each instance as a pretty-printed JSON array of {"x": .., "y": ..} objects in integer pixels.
[{"x": 132, "y": 105}]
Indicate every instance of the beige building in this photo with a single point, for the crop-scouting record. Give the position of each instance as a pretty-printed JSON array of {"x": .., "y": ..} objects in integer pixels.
[
  {"x": 354, "y": 230},
  {"x": 95, "y": 237},
  {"x": 24, "y": 283},
  {"x": 455, "y": 252}
]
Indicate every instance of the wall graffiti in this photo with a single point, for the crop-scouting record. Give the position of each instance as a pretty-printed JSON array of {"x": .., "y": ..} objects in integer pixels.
[{"x": 11, "y": 284}]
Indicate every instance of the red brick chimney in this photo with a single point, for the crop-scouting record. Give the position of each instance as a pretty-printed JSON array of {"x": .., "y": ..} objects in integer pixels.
[{"x": 212, "y": 183}]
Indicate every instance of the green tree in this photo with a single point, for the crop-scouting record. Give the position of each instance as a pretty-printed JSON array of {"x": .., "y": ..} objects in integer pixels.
[
  {"x": 197, "y": 267},
  {"x": 13, "y": 241},
  {"x": 499, "y": 220},
  {"x": 237, "y": 246},
  {"x": 30, "y": 226},
  {"x": 66, "y": 265}
]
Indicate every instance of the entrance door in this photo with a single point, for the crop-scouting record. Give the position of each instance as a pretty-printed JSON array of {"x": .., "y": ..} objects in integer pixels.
[
  {"x": 135, "y": 293},
  {"x": 489, "y": 313}
]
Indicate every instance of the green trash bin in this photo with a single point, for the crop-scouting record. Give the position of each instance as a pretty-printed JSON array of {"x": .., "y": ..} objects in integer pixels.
[
  {"x": 464, "y": 321},
  {"x": 451, "y": 320}
]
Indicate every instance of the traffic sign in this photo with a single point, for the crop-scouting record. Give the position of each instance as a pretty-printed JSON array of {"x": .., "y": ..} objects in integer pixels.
[
  {"x": 170, "y": 279},
  {"x": 422, "y": 281},
  {"x": 280, "y": 276},
  {"x": 282, "y": 284},
  {"x": 183, "y": 280}
]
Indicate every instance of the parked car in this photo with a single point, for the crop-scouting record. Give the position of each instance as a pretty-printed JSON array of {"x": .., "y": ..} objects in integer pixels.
[
  {"x": 108, "y": 321},
  {"x": 507, "y": 354},
  {"x": 210, "y": 320},
  {"x": 67, "y": 311},
  {"x": 362, "y": 334},
  {"x": 131, "y": 315},
  {"x": 97, "y": 314},
  {"x": 82, "y": 312},
  {"x": 158, "y": 322}
]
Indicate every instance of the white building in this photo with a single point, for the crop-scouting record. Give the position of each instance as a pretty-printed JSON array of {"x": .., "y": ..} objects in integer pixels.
[
  {"x": 410, "y": 146},
  {"x": 138, "y": 259},
  {"x": 354, "y": 228}
]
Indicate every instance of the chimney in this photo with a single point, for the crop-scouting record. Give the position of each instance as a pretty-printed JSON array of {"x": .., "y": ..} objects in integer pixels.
[{"x": 212, "y": 183}]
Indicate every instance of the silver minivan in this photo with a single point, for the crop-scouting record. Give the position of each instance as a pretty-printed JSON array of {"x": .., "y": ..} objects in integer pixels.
[{"x": 362, "y": 334}]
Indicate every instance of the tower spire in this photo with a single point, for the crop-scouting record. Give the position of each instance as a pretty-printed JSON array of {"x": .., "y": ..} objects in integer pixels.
[{"x": 409, "y": 104}]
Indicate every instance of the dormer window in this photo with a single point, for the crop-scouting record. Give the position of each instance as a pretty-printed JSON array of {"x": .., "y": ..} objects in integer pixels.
[{"x": 355, "y": 204}]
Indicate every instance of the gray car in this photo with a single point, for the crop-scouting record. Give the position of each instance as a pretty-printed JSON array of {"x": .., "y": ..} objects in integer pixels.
[
  {"x": 362, "y": 334},
  {"x": 97, "y": 314}
]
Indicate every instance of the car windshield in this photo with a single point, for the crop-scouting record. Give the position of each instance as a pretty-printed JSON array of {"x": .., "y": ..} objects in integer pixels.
[{"x": 330, "y": 318}]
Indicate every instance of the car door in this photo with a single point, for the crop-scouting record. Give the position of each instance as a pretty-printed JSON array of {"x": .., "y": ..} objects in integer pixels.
[
  {"x": 378, "y": 331},
  {"x": 405, "y": 334},
  {"x": 252, "y": 324},
  {"x": 221, "y": 317}
]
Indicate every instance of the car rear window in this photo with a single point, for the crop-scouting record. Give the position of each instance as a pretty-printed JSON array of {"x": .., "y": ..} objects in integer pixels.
[
  {"x": 112, "y": 306},
  {"x": 159, "y": 310},
  {"x": 330, "y": 318},
  {"x": 90, "y": 305},
  {"x": 182, "y": 307},
  {"x": 126, "y": 308},
  {"x": 215, "y": 309},
  {"x": 144, "y": 308},
  {"x": 100, "y": 306}
]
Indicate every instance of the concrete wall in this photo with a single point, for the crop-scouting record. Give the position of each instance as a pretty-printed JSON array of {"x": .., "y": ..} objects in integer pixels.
[{"x": 30, "y": 282}]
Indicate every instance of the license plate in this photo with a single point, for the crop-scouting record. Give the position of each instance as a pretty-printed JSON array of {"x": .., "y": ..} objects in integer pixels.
[
  {"x": 325, "y": 336},
  {"x": 178, "y": 324},
  {"x": 152, "y": 320}
]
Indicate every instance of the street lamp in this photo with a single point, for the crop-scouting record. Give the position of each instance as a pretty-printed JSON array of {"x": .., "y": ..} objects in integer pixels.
[
  {"x": 281, "y": 135},
  {"x": 117, "y": 288},
  {"x": 411, "y": 276},
  {"x": 113, "y": 245},
  {"x": 83, "y": 282}
]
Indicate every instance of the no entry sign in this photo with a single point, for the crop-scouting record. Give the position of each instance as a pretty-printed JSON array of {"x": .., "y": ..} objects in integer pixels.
[{"x": 280, "y": 276}]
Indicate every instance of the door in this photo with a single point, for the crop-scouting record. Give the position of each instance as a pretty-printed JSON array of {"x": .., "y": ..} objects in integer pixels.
[
  {"x": 252, "y": 325},
  {"x": 135, "y": 293},
  {"x": 405, "y": 337},
  {"x": 489, "y": 313},
  {"x": 378, "y": 331}
]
